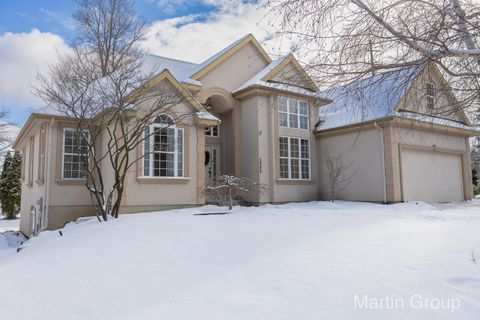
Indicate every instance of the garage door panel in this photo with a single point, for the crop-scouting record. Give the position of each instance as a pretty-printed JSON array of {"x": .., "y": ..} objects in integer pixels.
[{"x": 430, "y": 176}]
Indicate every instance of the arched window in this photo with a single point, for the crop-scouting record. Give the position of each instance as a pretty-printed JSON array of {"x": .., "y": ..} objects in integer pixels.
[
  {"x": 165, "y": 120},
  {"x": 163, "y": 148}
]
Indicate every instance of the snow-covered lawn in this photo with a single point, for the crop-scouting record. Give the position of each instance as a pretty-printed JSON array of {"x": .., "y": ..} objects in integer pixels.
[
  {"x": 8, "y": 225},
  {"x": 296, "y": 261}
]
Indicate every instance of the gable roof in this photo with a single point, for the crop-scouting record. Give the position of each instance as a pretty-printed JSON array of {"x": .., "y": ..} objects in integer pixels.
[
  {"x": 264, "y": 78},
  {"x": 217, "y": 58},
  {"x": 181, "y": 70},
  {"x": 366, "y": 99},
  {"x": 375, "y": 98}
]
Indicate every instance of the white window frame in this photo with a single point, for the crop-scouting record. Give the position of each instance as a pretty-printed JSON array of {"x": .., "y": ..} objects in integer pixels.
[
  {"x": 175, "y": 151},
  {"x": 298, "y": 114},
  {"x": 431, "y": 99},
  {"x": 210, "y": 133},
  {"x": 300, "y": 158},
  {"x": 31, "y": 160},
  {"x": 63, "y": 153}
]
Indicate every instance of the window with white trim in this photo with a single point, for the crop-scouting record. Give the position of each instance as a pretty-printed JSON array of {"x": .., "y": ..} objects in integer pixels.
[
  {"x": 293, "y": 113},
  {"x": 430, "y": 95},
  {"x": 75, "y": 153},
  {"x": 41, "y": 153},
  {"x": 294, "y": 158},
  {"x": 31, "y": 152},
  {"x": 211, "y": 131},
  {"x": 163, "y": 148}
]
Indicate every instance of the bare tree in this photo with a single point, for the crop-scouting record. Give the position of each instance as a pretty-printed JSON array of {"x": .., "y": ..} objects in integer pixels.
[
  {"x": 344, "y": 40},
  {"x": 6, "y": 127},
  {"x": 101, "y": 84},
  {"x": 339, "y": 172},
  {"x": 225, "y": 187}
]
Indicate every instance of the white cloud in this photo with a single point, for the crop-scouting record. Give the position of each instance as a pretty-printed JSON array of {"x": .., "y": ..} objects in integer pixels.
[
  {"x": 22, "y": 55},
  {"x": 197, "y": 37}
]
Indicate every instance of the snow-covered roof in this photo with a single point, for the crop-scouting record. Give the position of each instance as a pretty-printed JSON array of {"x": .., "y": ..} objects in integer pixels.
[
  {"x": 375, "y": 98},
  {"x": 256, "y": 79},
  {"x": 434, "y": 120},
  {"x": 181, "y": 70},
  {"x": 366, "y": 99},
  {"x": 207, "y": 116}
]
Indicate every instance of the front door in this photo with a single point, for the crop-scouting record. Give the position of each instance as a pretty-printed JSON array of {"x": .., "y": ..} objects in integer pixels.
[{"x": 212, "y": 161}]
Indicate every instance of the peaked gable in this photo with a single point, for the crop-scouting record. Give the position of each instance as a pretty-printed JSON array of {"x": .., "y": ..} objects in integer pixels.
[
  {"x": 290, "y": 72},
  {"x": 165, "y": 75},
  {"x": 209, "y": 64},
  {"x": 446, "y": 104}
]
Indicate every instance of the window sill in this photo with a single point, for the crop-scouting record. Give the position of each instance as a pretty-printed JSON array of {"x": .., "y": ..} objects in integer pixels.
[
  {"x": 295, "y": 181},
  {"x": 163, "y": 180},
  {"x": 71, "y": 181}
]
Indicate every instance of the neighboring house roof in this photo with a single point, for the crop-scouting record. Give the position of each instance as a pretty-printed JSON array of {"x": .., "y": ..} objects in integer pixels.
[{"x": 374, "y": 98}]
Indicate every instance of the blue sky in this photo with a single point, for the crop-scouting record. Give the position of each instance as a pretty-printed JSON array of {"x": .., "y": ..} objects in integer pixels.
[
  {"x": 55, "y": 16},
  {"x": 33, "y": 31}
]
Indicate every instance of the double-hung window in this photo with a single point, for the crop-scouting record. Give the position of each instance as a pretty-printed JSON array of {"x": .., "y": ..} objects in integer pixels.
[
  {"x": 211, "y": 131},
  {"x": 293, "y": 113},
  {"x": 75, "y": 153},
  {"x": 294, "y": 158},
  {"x": 430, "y": 95},
  {"x": 163, "y": 148}
]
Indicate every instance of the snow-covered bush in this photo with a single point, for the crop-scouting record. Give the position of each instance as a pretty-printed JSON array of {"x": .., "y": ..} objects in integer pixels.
[{"x": 225, "y": 187}]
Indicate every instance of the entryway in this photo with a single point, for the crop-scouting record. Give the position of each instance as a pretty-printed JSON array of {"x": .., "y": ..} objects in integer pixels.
[{"x": 212, "y": 163}]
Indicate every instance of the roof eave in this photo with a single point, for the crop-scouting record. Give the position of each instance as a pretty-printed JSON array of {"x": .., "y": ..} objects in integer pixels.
[
  {"x": 401, "y": 120},
  {"x": 259, "y": 88}
]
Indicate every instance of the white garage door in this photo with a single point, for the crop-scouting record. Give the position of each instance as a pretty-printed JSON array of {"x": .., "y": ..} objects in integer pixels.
[{"x": 431, "y": 177}]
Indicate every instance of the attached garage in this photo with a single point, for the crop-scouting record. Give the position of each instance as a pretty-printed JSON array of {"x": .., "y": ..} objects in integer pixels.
[{"x": 431, "y": 176}]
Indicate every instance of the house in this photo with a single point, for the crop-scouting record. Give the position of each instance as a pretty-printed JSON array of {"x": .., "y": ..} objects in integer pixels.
[{"x": 266, "y": 120}]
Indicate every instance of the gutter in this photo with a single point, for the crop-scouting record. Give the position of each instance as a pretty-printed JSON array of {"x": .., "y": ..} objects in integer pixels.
[{"x": 48, "y": 171}]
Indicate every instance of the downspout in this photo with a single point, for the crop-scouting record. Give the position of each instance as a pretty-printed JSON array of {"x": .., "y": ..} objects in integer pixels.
[
  {"x": 48, "y": 171},
  {"x": 382, "y": 146}
]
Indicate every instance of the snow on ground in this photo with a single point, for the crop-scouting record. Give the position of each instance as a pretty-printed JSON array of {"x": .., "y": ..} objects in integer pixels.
[
  {"x": 7, "y": 225},
  {"x": 9, "y": 235},
  {"x": 295, "y": 261}
]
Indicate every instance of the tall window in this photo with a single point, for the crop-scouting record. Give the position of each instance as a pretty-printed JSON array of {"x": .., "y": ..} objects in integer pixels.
[
  {"x": 293, "y": 113},
  {"x": 163, "y": 149},
  {"x": 75, "y": 153},
  {"x": 211, "y": 131},
  {"x": 430, "y": 95},
  {"x": 31, "y": 157},
  {"x": 41, "y": 153},
  {"x": 294, "y": 158}
]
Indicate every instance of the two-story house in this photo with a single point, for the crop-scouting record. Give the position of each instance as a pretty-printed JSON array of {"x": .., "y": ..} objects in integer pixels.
[{"x": 265, "y": 120}]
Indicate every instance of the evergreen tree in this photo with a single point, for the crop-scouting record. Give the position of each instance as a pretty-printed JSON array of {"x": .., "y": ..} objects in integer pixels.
[{"x": 10, "y": 185}]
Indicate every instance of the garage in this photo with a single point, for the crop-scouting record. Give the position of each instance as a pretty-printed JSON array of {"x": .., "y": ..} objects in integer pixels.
[{"x": 431, "y": 176}]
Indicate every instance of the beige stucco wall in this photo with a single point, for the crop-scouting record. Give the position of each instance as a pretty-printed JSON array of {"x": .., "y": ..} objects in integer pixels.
[
  {"x": 260, "y": 158},
  {"x": 429, "y": 140},
  {"x": 361, "y": 149},
  {"x": 156, "y": 191},
  {"x": 236, "y": 70},
  {"x": 30, "y": 192},
  {"x": 250, "y": 154}
]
